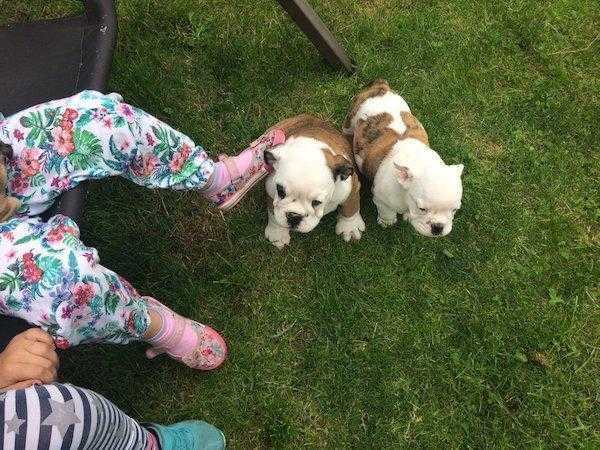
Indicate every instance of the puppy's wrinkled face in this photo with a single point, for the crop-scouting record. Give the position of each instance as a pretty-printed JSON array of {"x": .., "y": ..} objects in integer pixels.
[
  {"x": 433, "y": 197},
  {"x": 301, "y": 185}
]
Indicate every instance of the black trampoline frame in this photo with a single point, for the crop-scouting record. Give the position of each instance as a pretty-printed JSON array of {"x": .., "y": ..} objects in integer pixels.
[{"x": 24, "y": 83}]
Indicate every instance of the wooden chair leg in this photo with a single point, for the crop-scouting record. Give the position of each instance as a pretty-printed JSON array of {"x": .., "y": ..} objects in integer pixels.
[{"x": 311, "y": 24}]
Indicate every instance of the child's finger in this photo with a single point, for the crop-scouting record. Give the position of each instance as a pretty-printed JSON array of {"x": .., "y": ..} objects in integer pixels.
[
  {"x": 44, "y": 350},
  {"x": 32, "y": 371},
  {"x": 37, "y": 334},
  {"x": 21, "y": 385}
]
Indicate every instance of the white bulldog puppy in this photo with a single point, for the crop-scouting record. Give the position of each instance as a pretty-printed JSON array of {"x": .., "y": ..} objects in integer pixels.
[
  {"x": 391, "y": 148},
  {"x": 313, "y": 175}
]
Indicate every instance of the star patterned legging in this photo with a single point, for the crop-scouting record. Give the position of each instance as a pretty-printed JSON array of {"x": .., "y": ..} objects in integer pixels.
[{"x": 62, "y": 416}]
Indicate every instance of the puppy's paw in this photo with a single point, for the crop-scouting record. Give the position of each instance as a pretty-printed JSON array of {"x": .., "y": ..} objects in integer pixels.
[
  {"x": 387, "y": 221},
  {"x": 350, "y": 228},
  {"x": 278, "y": 236}
]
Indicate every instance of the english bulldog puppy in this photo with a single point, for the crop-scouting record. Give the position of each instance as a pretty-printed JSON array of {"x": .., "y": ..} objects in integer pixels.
[
  {"x": 313, "y": 174},
  {"x": 391, "y": 148}
]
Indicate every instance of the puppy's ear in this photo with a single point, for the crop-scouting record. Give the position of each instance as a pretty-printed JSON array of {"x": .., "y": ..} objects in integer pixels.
[
  {"x": 458, "y": 169},
  {"x": 8, "y": 207},
  {"x": 340, "y": 167},
  {"x": 343, "y": 170},
  {"x": 271, "y": 157},
  {"x": 403, "y": 174}
]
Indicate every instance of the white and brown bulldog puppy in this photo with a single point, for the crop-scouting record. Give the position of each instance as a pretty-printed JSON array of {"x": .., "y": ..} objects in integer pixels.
[
  {"x": 313, "y": 175},
  {"x": 391, "y": 148}
]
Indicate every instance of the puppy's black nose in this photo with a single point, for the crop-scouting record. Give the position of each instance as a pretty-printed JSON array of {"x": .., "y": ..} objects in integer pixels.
[
  {"x": 293, "y": 219},
  {"x": 437, "y": 228}
]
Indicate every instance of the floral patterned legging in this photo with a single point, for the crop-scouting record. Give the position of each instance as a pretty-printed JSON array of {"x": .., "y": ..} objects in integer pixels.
[
  {"x": 47, "y": 275},
  {"x": 58, "y": 144}
]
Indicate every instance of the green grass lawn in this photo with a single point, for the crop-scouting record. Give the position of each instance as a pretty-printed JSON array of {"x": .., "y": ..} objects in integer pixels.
[{"x": 486, "y": 338}]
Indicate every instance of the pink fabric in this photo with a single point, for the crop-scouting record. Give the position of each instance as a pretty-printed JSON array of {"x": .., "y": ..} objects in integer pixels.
[
  {"x": 243, "y": 161},
  {"x": 272, "y": 138},
  {"x": 232, "y": 167},
  {"x": 167, "y": 327},
  {"x": 219, "y": 180},
  {"x": 174, "y": 336},
  {"x": 223, "y": 176},
  {"x": 151, "y": 441}
]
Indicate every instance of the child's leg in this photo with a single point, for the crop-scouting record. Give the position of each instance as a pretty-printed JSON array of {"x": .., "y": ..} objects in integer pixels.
[
  {"x": 64, "y": 416},
  {"x": 167, "y": 158},
  {"x": 58, "y": 144},
  {"x": 50, "y": 278}
]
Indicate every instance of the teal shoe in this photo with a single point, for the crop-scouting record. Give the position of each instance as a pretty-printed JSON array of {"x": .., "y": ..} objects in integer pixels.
[{"x": 189, "y": 435}]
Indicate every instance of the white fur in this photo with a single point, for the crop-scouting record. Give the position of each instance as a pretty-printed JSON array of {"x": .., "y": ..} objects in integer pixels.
[
  {"x": 434, "y": 186},
  {"x": 350, "y": 227},
  {"x": 302, "y": 170},
  {"x": 276, "y": 234}
]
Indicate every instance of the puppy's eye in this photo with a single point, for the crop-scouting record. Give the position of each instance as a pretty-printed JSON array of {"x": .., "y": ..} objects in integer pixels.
[
  {"x": 423, "y": 210},
  {"x": 280, "y": 191},
  {"x": 316, "y": 203}
]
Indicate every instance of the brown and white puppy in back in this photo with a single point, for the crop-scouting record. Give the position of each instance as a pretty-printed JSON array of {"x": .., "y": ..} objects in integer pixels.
[
  {"x": 391, "y": 148},
  {"x": 313, "y": 175},
  {"x": 8, "y": 205}
]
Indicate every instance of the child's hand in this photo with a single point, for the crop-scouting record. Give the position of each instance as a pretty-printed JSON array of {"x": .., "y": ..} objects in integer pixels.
[{"x": 30, "y": 358}]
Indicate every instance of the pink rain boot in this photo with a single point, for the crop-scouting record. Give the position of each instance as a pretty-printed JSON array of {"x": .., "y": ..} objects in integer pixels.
[
  {"x": 243, "y": 171},
  {"x": 196, "y": 345}
]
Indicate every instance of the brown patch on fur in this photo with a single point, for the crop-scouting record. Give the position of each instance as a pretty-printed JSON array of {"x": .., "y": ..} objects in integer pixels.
[
  {"x": 369, "y": 130},
  {"x": 352, "y": 204},
  {"x": 5, "y": 151},
  {"x": 313, "y": 127},
  {"x": 373, "y": 139},
  {"x": 374, "y": 89},
  {"x": 337, "y": 162},
  {"x": 414, "y": 129},
  {"x": 8, "y": 205}
]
